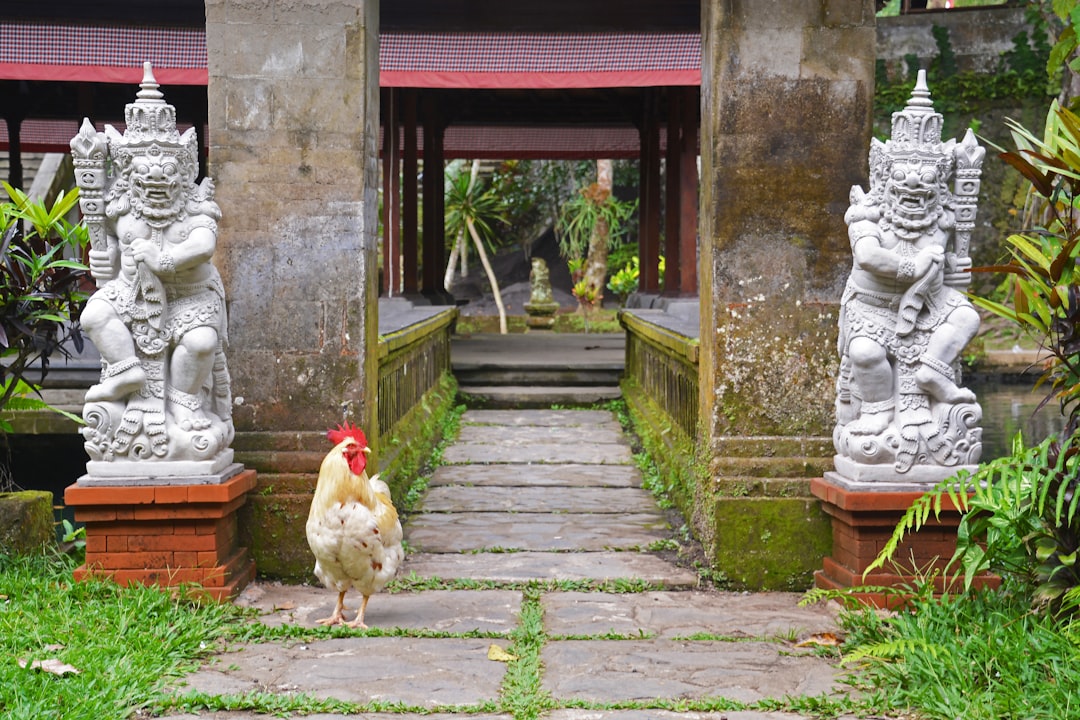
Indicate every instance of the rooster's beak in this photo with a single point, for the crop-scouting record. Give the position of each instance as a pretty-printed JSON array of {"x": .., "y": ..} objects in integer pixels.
[{"x": 366, "y": 450}]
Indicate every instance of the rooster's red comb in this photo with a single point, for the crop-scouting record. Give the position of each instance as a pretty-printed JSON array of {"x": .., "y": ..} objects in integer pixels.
[{"x": 348, "y": 430}]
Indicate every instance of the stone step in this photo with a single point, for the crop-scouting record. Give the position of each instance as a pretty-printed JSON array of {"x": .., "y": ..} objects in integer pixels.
[
  {"x": 509, "y": 531},
  {"x": 545, "y": 566},
  {"x": 538, "y": 376},
  {"x": 535, "y": 396}
]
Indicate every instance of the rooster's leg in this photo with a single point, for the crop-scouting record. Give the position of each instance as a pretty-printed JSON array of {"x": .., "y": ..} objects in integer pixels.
[
  {"x": 359, "y": 621},
  {"x": 338, "y": 615}
]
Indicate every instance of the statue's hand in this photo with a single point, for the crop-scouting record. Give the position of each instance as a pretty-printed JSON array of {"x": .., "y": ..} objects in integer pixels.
[
  {"x": 145, "y": 251},
  {"x": 103, "y": 263},
  {"x": 926, "y": 258}
]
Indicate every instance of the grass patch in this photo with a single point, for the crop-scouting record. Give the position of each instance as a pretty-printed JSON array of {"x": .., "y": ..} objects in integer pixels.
[
  {"x": 126, "y": 643},
  {"x": 984, "y": 655}
]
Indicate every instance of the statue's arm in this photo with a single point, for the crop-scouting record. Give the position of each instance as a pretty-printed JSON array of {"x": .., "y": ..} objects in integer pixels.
[
  {"x": 196, "y": 249},
  {"x": 889, "y": 265}
]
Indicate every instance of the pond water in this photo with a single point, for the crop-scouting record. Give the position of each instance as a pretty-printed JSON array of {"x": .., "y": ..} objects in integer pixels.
[{"x": 1008, "y": 404}]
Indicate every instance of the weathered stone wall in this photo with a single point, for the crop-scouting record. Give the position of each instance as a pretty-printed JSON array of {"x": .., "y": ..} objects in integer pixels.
[
  {"x": 978, "y": 37},
  {"x": 787, "y": 90},
  {"x": 293, "y": 111},
  {"x": 786, "y": 95}
]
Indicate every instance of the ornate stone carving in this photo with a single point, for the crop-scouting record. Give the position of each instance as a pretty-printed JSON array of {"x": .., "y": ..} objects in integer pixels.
[
  {"x": 902, "y": 414},
  {"x": 163, "y": 404}
]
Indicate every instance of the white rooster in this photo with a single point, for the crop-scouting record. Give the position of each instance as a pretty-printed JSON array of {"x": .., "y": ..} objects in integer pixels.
[{"x": 352, "y": 527}]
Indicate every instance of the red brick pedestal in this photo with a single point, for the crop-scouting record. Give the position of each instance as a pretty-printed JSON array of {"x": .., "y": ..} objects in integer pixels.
[
  {"x": 863, "y": 520},
  {"x": 165, "y": 535}
]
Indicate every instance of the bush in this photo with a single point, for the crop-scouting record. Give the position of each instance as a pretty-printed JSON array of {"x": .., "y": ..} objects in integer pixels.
[{"x": 43, "y": 288}]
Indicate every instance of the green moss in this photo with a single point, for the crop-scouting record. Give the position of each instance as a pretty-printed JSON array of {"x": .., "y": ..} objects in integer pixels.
[
  {"x": 770, "y": 543},
  {"x": 415, "y": 437},
  {"x": 26, "y": 522},
  {"x": 272, "y": 528}
]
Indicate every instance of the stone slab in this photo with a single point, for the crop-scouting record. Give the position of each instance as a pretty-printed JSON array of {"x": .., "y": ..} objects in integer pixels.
[
  {"x": 537, "y": 396},
  {"x": 683, "y": 614},
  {"x": 565, "y": 418},
  {"x": 372, "y": 716},
  {"x": 529, "y": 499},
  {"x": 462, "y": 532},
  {"x": 543, "y": 566},
  {"x": 422, "y": 672},
  {"x": 447, "y": 611},
  {"x": 512, "y": 435},
  {"x": 631, "y": 670},
  {"x": 537, "y": 475},
  {"x": 580, "y": 452},
  {"x": 667, "y": 715}
]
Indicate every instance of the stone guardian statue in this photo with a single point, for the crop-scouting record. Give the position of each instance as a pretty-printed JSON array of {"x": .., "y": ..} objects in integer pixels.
[
  {"x": 902, "y": 413},
  {"x": 162, "y": 406}
]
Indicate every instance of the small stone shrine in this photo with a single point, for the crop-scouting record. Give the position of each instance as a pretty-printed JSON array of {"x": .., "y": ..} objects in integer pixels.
[
  {"x": 159, "y": 422},
  {"x": 541, "y": 307},
  {"x": 904, "y": 422}
]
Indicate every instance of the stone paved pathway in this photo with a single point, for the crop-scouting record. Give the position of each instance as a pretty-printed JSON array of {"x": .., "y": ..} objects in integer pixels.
[{"x": 550, "y": 498}]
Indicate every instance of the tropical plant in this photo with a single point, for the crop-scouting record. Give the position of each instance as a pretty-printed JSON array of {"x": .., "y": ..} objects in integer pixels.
[
  {"x": 590, "y": 223},
  {"x": 1021, "y": 519},
  {"x": 42, "y": 293},
  {"x": 471, "y": 209},
  {"x": 624, "y": 282},
  {"x": 1044, "y": 298}
]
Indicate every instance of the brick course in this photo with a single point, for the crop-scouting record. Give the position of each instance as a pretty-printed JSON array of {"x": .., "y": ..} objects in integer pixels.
[{"x": 166, "y": 535}]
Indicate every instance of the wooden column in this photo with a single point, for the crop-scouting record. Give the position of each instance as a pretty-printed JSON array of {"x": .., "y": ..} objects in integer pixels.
[
  {"x": 688, "y": 191},
  {"x": 680, "y": 279},
  {"x": 410, "y": 214},
  {"x": 15, "y": 168},
  {"x": 649, "y": 168},
  {"x": 672, "y": 218},
  {"x": 434, "y": 207},
  {"x": 391, "y": 163}
]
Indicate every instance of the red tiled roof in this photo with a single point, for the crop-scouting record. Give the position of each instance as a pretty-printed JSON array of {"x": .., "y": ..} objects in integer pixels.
[{"x": 37, "y": 51}]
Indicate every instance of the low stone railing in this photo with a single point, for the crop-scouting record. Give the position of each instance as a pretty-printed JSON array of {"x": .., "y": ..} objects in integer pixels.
[
  {"x": 662, "y": 365},
  {"x": 415, "y": 383},
  {"x": 412, "y": 360}
]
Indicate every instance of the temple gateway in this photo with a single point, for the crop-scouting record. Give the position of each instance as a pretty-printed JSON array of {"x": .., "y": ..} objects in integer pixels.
[{"x": 301, "y": 113}]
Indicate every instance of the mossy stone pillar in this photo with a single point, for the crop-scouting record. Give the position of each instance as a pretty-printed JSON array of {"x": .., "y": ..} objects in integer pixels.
[
  {"x": 294, "y": 121},
  {"x": 787, "y": 89},
  {"x": 294, "y": 127}
]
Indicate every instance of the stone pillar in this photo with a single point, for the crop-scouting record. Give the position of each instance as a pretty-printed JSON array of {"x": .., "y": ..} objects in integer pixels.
[
  {"x": 294, "y": 121},
  {"x": 787, "y": 87}
]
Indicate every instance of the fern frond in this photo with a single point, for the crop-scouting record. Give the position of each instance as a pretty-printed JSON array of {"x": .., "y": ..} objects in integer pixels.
[
  {"x": 897, "y": 649},
  {"x": 849, "y": 596},
  {"x": 955, "y": 488}
]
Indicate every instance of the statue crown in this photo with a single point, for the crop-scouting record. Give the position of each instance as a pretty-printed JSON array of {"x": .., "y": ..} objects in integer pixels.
[{"x": 150, "y": 119}]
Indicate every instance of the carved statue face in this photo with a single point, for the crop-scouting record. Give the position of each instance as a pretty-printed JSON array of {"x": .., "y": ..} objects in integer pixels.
[
  {"x": 913, "y": 195},
  {"x": 157, "y": 184}
]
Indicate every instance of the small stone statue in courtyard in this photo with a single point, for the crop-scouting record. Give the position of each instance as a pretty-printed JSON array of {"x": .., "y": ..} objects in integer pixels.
[
  {"x": 902, "y": 413},
  {"x": 158, "y": 316},
  {"x": 541, "y": 307}
]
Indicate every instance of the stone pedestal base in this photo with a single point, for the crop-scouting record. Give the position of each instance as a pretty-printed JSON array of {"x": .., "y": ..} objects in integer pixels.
[
  {"x": 166, "y": 535},
  {"x": 864, "y": 516},
  {"x": 541, "y": 316}
]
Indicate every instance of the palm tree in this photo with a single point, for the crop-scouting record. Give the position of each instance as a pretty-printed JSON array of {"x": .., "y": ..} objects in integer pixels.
[{"x": 471, "y": 208}]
